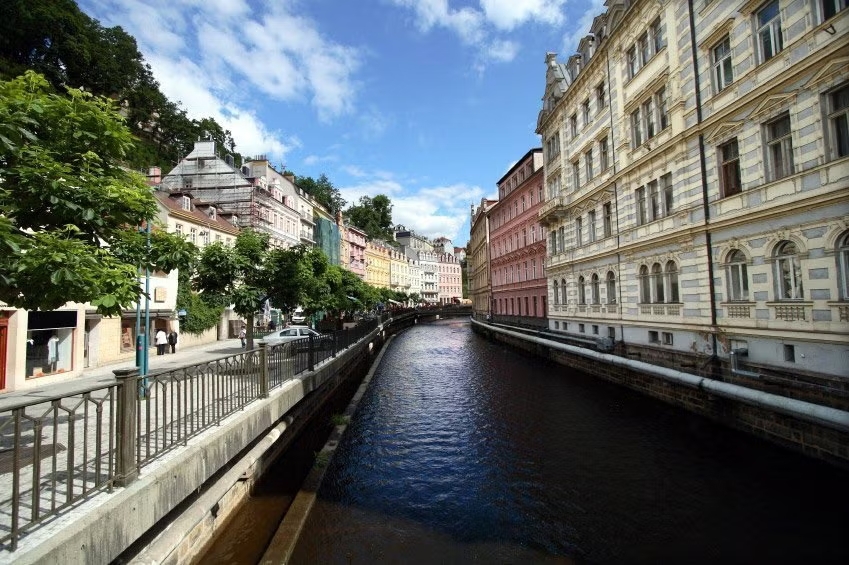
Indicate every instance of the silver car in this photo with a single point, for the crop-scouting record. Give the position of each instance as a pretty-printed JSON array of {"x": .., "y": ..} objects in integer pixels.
[{"x": 293, "y": 333}]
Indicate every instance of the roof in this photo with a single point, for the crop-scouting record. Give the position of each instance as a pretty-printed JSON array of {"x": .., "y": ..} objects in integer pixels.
[{"x": 172, "y": 201}]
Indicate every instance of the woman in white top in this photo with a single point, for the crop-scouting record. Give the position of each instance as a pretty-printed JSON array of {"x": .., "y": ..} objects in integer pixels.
[{"x": 161, "y": 341}]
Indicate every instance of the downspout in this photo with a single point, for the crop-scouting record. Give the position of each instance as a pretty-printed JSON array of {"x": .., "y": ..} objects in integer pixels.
[
  {"x": 615, "y": 198},
  {"x": 703, "y": 167}
]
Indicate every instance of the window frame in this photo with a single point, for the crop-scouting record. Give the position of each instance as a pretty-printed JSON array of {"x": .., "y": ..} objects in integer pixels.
[
  {"x": 837, "y": 149},
  {"x": 607, "y": 218},
  {"x": 779, "y": 143},
  {"x": 772, "y": 27},
  {"x": 737, "y": 276},
  {"x": 610, "y": 287},
  {"x": 842, "y": 259},
  {"x": 722, "y": 68},
  {"x": 729, "y": 164},
  {"x": 788, "y": 272},
  {"x": 603, "y": 154},
  {"x": 591, "y": 226}
]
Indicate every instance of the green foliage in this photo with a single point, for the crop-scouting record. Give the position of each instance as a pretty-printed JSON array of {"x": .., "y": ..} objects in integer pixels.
[
  {"x": 296, "y": 278},
  {"x": 373, "y": 216},
  {"x": 201, "y": 315},
  {"x": 56, "y": 39},
  {"x": 323, "y": 191},
  {"x": 65, "y": 200}
]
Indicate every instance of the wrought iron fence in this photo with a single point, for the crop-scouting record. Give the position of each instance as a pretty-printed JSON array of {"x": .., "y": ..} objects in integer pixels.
[{"x": 58, "y": 451}]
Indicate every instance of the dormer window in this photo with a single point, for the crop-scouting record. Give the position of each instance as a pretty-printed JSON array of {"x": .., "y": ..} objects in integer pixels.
[
  {"x": 187, "y": 184},
  {"x": 212, "y": 213},
  {"x": 186, "y": 203}
]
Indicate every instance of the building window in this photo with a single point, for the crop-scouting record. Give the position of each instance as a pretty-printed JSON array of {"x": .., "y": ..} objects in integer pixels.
[
  {"x": 662, "y": 110},
  {"x": 581, "y": 328},
  {"x": 588, "y": 164},
  {"x": 611, "y": 332},
  {"x": 573, "y": 125},
  {"x": 632, "y": 62},
  {"x": 607, "y": 212},
  {"x": 600, "y": 97},
  {"x": 552, "y": 147},
  {"x": 643, "y": 49},
  {"x": 595, "y": 289},
  {"x": 667, "y": 338},
  {"x": 576, "y": 175},
  {"x": 556, "y": 292},
  {"x": 640, "y": 199},
  {"x": 723, "y": 72},
  {"x": 657, "y": 284},
  {"x": 659, "y": 40},
  {"x": 582, "y": 292},
  {"x": 193, "y": 235},
  {"x": 779, "y": 145},
  {"x": 654, "y": 337},
  {"x": 672, "y": 282},
  {"x": 770, "y": 42},
  {"x": 830, "y": 8},
  {"x": 736, "y": 273},
  {"x": 178, "y": 229},
  {"x": 838, "y": 121},
  {"x": 645, "y": 285},
  {"x": 186, "y": 203},
  {"x": 579, "y": 226},
  {"x": 654, "y": 201},
  {"x": 552, "y": 244},
  {"x": 666, "y": 191},
  {"x": 843, "y": 265},
  {"x": 603, "y": 154},
  {"x": 790, "y": 353},
  {"x": 729, "y": 176},
  {"x": 585, "y": 110},
  {"x": 595, "y": 329},
  {"x": 591, "y": 226},
  {"x": 636, "y": 129},
  {"x": 610, "y": 284},
  {"x": 788, "y": 272}
]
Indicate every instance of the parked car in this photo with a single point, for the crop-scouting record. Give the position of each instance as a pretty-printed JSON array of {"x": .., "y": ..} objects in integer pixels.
[
  {"x": 298, "y": 316},
  {"x": 292, "y": 333}
]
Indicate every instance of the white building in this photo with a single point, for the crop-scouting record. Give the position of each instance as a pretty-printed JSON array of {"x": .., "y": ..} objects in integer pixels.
[{"x": 697, "y": 185}]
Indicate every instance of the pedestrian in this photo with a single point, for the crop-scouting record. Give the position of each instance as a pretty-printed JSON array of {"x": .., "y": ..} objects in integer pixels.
[
  {"x": 243, "y": 335},
  {"x": 161, "y": 341},
  {"x": 272, "y": 326},
  {"x": 172, "y": 341}
]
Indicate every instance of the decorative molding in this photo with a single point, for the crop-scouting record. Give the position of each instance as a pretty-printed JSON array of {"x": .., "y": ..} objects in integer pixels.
[
  {"x": 718, "y": 33},
  {"x": 833, "y": 67},
  {"x": 771, "y": 103},
  {"x": 724, "y": 130}
]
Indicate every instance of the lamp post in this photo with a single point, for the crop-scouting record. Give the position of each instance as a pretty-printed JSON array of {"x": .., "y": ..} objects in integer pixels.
[{"x": 142, "y": 344}]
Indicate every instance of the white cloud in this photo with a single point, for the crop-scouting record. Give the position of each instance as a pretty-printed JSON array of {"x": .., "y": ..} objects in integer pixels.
[
  {"x": 431, "y": 211},
  {"x": 480, "y": 28},
  {"x": 578, "y": 29},
  {"x": 214, "y": 57},
  {"x": 509, "y": 14}
]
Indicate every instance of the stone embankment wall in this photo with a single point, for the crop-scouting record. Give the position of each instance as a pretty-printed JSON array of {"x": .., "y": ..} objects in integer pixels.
[{"x": 826, "y": 441}]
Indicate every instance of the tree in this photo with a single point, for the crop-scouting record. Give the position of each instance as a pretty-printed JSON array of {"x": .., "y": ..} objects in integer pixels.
[
  {"x": 296, "y": 278},
  {"x": 323, "y": 191},
  {"x": 236, "y": 275},
  {"x": 373, "y": 216},
  {"x": 68, "y": 210}
]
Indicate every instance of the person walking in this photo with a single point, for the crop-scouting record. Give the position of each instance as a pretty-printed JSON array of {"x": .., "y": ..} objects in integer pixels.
[
  {"x": 243, "y": 335},
  {"x": 161, "y": 341},
  {"x": 172, "y": 341}
]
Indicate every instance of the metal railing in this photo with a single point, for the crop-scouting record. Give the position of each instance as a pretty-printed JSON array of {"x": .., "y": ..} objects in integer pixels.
[{"x": 59, "y": 450}]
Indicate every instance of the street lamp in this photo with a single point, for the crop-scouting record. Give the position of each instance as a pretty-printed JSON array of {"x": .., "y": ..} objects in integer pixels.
[{"x": 142, "y": 345}]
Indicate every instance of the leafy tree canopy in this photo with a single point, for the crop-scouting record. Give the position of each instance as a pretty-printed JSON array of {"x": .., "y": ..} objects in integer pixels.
[
  {"x": 68, "y": 209},
  {"x": 55, "y": 38},
  {"x": 297, "y": 278},
  {"x": 323, "y": 191},
  {"x": 373, "y": 216}
]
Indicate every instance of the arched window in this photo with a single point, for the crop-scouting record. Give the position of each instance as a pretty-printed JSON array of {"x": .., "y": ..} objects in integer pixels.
[
  {"x": 563, "y": 299},
  {"x": 611, "y": 287},
  {"x": 645, "y": 285},
  {"x": 788, "y": 272},
  {"x": 582, "y": 295},
  {"x": 843, "y": 265},
  {"x": 737, "y": 276},
  {"x": 657, "y": 283},
  {"x": 672, "y": 282},
  {"x": 596, "y": 294},
  {"x": 556, "y": 292}
]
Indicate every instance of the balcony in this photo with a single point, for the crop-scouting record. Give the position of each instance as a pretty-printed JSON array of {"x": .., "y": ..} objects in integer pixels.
[
  {"x": 660, "y": 309},
  {"x": 552, "y": 209},
  {"x": 791, "y": 312}
]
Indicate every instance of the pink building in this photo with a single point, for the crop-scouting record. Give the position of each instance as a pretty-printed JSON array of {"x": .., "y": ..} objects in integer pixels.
[
  {"x": 356, "y": 258},
  {"x": 517, "y": 242},
  {"x": 450, "y": 279}
]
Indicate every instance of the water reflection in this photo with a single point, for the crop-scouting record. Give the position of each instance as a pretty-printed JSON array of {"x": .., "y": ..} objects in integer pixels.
[{"x": 463, "y": 450}]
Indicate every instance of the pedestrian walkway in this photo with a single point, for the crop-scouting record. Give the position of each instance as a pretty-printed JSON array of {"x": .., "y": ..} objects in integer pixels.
[{"x": 104, "y": 374}]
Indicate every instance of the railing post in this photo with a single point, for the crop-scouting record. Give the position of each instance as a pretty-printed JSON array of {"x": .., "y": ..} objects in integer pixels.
[
  {"x": 312, "y": 353},
  {"x": 126, "y": 466},
  {"x": 263, "y": 370}
]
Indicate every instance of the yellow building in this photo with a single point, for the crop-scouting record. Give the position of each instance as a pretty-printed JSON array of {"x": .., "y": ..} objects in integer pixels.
[{"x": 378, "y": 264}]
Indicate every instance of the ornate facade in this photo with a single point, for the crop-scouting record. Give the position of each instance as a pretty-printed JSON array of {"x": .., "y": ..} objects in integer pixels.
[{"x": 697, "y": 174}]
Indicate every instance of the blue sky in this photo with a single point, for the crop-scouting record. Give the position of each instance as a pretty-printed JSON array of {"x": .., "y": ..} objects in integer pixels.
[{"x": 429, "y": 102}]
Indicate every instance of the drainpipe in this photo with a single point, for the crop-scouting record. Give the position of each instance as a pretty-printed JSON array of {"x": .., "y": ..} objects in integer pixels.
[
  {"x": 703, "y": 167},
  {"x": 612, "y": 138}
]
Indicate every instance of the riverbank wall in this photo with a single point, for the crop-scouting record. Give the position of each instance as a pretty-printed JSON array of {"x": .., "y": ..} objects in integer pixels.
[{"x": 815, "y": 430}]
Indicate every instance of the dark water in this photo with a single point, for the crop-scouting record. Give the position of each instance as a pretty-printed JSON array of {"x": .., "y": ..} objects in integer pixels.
[{"x": 465, "y": 451}]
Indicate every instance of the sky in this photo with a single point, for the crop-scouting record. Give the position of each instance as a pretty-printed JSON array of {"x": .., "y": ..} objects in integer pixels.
[{"x": 429, "y": 102}]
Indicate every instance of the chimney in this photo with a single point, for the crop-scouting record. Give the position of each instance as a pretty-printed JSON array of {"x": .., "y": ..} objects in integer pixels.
[{"x": 289, "y": 177}]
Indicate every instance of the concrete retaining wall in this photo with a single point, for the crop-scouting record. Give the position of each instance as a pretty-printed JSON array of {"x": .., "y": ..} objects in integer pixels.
[{"x": 825, "y": 442}]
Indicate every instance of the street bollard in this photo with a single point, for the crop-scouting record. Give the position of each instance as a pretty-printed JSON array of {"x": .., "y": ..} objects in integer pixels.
[{"x": 126, "y": 467}]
